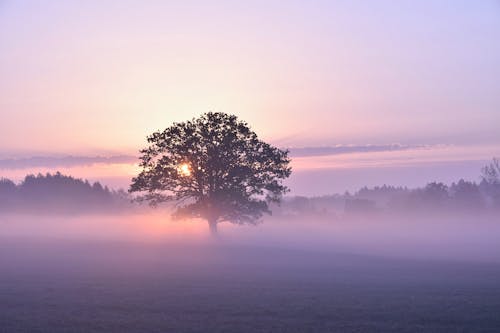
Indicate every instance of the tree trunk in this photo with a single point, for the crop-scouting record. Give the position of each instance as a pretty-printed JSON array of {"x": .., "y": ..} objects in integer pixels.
[{"x": 213, "y": 227}]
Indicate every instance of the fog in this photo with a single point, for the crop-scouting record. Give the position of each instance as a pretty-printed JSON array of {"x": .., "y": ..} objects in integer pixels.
[
  {"x": 75, "y": 254},
  {"x": 145, "y": 272},
  {"x": 435, "y": 238}
]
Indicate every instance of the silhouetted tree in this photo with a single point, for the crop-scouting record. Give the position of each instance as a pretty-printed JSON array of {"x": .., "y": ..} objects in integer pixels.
[
  {"x": 435, "y": 193},
  {"x": 434, "y": 196},
  {"x": 466, "y": 195},
  {"x": 491, "y": 172},
  {"x": 490, "y": 184},
  {"x": 301, "y": 205},
  {"x": 213, "y": 167},
  {"x": 8, "y": 192},
  {"x": 381, "y": 195},
  {"x": 57, "y": 193}
]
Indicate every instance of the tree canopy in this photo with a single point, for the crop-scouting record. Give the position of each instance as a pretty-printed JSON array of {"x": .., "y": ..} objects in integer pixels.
[{"x": 213, "y": 167}]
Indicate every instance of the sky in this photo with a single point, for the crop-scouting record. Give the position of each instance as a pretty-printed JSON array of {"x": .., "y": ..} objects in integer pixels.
[{"x": 94, "y": 78}]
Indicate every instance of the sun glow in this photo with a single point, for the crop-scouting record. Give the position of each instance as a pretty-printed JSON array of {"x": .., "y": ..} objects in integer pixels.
[{"x": 185, "y": 170}]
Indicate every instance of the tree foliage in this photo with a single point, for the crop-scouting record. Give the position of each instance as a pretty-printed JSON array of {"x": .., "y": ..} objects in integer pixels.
[
  {"x": 214, "y": 167},
  {"x": 59, "y": 193},
  {"x": 491, "y": 172}
]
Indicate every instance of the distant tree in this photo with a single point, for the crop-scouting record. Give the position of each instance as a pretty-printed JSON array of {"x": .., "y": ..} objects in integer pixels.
[
  {"x": 435, "y": 194},
  {"x": 7, "y": 186},
  {"x": 466, "y": 195},
  {"x": 213, "y": 167},
  {"x": 301, "y": 205},
  {"x": 381, "y": 195},
  {"x": 8, "y": 192},
  {"x": 57, "y": 192},
  {"x": 490, "y": 184},
  {"x": 491, "y": 172}
]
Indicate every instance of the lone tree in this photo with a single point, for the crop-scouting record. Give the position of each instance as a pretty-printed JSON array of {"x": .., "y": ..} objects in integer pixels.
[{"x": 213, "y": 167}]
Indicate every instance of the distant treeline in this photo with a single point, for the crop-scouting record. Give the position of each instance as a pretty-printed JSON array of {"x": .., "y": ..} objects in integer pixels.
[
  {"x": 59, "y": 193},
  {"x": 461, "y": 197}
]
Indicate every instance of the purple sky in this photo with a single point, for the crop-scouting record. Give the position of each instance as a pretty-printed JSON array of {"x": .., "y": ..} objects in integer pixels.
[{"x": 95, "y": 77}]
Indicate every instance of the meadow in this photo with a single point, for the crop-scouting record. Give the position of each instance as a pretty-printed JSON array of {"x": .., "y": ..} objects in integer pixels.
[{"x": 61, "y": 283}]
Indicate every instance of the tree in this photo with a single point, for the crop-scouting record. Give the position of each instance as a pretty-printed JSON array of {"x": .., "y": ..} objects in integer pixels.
[
  {"x": 213, "y": 167},
  {"x": 466, "y": 195},
  {"x": 8, "y": 193},
  {"x": 435, "y": 194},
  {"x": 490, "y": 183},
  {"x": 491, "y": 172}
]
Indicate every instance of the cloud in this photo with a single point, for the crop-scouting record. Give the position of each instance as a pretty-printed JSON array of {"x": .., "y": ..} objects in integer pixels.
[
  {"x": 347, "y": 149},
  {"x": 74, "y": 161},
  {"x": 64, "y": 161}
]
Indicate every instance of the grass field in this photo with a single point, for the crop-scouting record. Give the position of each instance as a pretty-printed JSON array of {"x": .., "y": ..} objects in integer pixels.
[{"x": 63, "y": 286}]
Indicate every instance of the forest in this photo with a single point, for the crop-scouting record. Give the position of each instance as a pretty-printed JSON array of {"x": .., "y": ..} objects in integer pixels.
[{"x": 58, "y": 193}]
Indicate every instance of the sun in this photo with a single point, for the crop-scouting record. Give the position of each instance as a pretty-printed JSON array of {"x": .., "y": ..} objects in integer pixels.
[{"x": 184, "y": 169}]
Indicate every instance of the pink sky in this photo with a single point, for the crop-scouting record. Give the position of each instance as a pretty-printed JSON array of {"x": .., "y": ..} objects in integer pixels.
[
  {"x": 95, "y": 78},
  {"x": 318, "y": 175}
]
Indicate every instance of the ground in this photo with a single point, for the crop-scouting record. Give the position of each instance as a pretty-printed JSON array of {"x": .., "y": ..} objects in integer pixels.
[{"x": 61, "y": 286}]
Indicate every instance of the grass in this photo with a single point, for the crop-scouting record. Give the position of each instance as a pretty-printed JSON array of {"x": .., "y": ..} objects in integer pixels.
[{"x": 96, "y": 287}]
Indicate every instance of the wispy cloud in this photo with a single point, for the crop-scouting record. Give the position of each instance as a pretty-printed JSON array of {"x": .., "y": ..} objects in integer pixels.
[
  {"x": 64, "y": 161},
  {"x": 75, "y": 161},
  {"x": 346, "y": 149}
]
